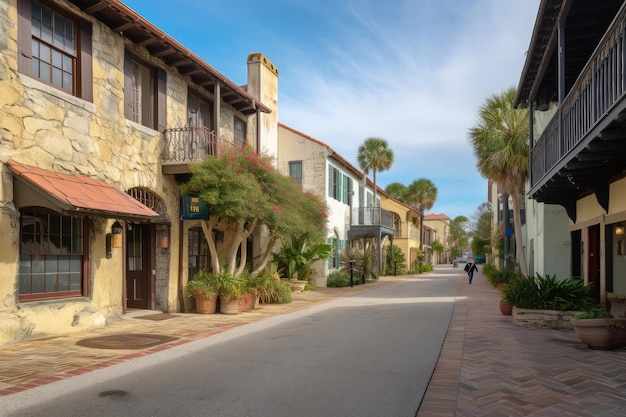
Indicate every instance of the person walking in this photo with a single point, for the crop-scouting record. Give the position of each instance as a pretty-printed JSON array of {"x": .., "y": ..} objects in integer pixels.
[{"x": 470, "y": 268}]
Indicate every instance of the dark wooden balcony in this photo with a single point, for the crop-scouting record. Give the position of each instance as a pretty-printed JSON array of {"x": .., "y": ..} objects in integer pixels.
[
  {"x": 369, "y": 222},
  {"x": 583, "y": 148}
]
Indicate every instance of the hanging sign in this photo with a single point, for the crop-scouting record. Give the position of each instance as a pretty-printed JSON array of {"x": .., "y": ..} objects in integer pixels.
[{"x": 193, "y": 208}]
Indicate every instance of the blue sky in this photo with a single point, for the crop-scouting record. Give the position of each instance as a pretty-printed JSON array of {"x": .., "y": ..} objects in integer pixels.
[{"x": 414, "y": 72}]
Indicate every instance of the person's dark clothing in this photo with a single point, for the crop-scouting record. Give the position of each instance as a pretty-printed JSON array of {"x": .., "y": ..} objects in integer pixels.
[{"x": 470, "y": 268}]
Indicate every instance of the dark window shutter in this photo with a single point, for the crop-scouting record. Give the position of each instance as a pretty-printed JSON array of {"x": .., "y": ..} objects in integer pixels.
[
  {"x": 24, "y": 39},
  {"x": 85, "y": 86},
  {"x": 128, "y": 99},
  {"x": 161, "y": 97}
]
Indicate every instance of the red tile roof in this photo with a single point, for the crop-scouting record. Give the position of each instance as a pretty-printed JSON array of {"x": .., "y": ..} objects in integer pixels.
[{"x": 82, "y": 194}]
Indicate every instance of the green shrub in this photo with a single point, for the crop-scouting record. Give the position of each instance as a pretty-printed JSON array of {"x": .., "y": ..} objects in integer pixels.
[
  {"x": 338, "y": 279},
  {"x": 548, "y": 293},
  {"x": 496, "y": 277},
  {"x": 594, "y": 313},
  {"x": 272, "y": 290},
  {"x": 426, "y": 268},
  {"x": 395, "y": 261}
]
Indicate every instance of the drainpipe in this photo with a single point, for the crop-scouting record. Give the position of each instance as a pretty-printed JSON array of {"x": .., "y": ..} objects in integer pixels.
[{"x": 181, "y": 296}]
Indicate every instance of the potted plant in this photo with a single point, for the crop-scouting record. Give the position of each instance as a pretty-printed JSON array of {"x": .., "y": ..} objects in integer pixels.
[
  {"x": 599, "y": 330},
  {"x": 230, "y": 290},
  {"x": 204, "y": 293},
  {"x": 250, "y": 289},
  {"x": 296, "y": 256}
]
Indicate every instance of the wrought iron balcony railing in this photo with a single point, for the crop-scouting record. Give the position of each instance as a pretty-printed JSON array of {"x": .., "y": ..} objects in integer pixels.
[
  {"x": 371, "y": 216},
  {"x": 188, "y": 144}
]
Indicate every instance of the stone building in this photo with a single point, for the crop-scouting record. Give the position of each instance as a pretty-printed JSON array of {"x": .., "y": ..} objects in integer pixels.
[{"x": 100, "y": 114}]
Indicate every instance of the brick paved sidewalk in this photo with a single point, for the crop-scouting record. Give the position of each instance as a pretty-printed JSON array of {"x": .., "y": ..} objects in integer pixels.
[{"x": 490, "y": 367}]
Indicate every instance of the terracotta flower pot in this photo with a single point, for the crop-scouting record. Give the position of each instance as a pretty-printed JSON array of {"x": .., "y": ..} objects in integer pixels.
[
  {"x": 597, "y": 334},
  {"x": 206, "y": 305},
  {"x": 246, "y": 302},
  {"x": 229, "y": 305},
  {"x": 506, "y": 308}
]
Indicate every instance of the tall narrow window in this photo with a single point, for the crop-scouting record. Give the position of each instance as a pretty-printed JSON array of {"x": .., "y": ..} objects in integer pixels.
[
  {"x": 239, "y": 132},
  {"x": 295, "y": 171},
  {"x": 144, "y": 93}
]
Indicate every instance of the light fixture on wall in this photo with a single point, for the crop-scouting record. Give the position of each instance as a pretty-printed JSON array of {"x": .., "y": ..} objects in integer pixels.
[
  {"x": 116, "y": 235},
  {"x": 619, "y": 233}
]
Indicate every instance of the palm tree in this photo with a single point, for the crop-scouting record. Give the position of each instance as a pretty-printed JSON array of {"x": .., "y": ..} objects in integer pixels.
[
  {"x": 421, "y": 195},
  {"x": 396, "y": 190},
  {"x": 375, "y": 155},
  {"x": 500, "y": 141}
]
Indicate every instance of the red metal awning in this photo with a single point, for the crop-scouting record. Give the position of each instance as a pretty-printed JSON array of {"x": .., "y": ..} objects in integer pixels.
[{"x": 77, "y": 194}]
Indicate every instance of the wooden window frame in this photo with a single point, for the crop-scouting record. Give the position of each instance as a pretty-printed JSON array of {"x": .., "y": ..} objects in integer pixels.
[
  {"x": 239, "y": 140},
  {"x": 157, "y": 95},
  {"x": 37, "y": 255},
  {"x": 82, "y": 84}
]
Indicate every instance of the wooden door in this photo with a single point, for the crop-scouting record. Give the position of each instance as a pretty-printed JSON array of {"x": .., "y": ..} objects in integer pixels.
[
  {"x": 138, "y": 266},
  {"x": 593, "y": 260}
]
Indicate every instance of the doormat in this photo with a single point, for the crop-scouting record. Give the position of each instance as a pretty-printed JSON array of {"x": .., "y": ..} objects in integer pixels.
[
  {"x": 157, "y": 317},
  {"x": 125, "y": 341}
]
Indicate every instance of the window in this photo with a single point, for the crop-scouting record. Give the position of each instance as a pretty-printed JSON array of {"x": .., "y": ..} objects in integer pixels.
[
  {"x": 339, "y": 186},
  {"x": 199, "y": 255},
  {"x": 144, "y": 93},
  {"x": 338, "y": 246},
  {"x": 239, "y": 132},
  {"x": 52, "y": 255},
  {"x": 295, "y": 171},
  {"x": 55, "y": 47}
]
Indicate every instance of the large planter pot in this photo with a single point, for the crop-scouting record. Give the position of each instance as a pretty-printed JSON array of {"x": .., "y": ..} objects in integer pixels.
[
  {"x": 206, "y": 305},
  {"x": 297, "y": 285},
  {"x": 598, "y": 334},
  {"x": 246, "y": 303},
  {"x": 506, "y": 308},
  {"x": 229, "y": 305}
]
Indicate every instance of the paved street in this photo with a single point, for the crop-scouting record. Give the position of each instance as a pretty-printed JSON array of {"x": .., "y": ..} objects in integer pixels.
[
  {"x": 367, "y": 355},
  {"x": 488, "y": 367}
]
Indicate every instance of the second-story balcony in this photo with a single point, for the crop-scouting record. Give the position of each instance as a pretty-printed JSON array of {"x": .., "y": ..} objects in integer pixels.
[
  {"x": 184, "y": 145},
  {"x": 370, "y": 222},
  {"x": 583, "y": 148}
]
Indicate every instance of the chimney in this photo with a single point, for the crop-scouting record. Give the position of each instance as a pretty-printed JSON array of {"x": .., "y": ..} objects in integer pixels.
[{"x": 263, "y": 85}]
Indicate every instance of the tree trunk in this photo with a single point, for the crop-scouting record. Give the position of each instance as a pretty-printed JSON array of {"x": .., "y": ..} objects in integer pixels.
[
  {"x": 517, "y": 222},
  {"x": 266, "y": 255},
  {"x": 207, "y": 228}
]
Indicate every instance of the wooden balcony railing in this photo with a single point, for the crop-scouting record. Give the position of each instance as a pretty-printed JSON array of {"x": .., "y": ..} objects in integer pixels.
[
  {"x": 599, "y": 87},
  {"x": 371, "y": 216}
]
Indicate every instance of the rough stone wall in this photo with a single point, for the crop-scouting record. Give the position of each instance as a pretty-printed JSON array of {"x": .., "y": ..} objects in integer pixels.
[{"x": 45, "y": 127}]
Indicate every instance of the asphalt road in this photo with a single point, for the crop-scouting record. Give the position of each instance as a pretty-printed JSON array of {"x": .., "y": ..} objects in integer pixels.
[{"x": 367, "y": 355}]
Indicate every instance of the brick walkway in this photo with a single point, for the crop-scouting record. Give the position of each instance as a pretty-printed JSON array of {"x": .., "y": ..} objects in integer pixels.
[{"x": 490, "y": 367}]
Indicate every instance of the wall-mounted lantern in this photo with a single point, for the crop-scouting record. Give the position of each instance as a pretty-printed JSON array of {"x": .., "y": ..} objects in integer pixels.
[{"x": 116, "y": 235}]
